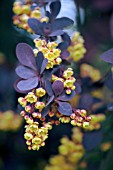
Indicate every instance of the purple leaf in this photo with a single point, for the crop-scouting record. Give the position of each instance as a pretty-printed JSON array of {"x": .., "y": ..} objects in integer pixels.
[
  {"x": 108, "y": 56},
  {"x": 56, "y": 33},
  {"x": 35, "y": 25},
  {"x": 25, "y": 55},
  {"x": 92, "y": 139},
  {"x": 58, "y": 87},
  {"x": 55, "y": 8},
  {"x": 26, "y": 85},
  {"x": 50, "y": 100},
  {"x": 48, "y": 87},
  {"x": 66, "y": 97},
  {"x": 65, "y": 54},
  {"x": 66, "y": 38},
  {"x": 63, "y": 46},
  {"x": 25, "y": 72},
  {"x": 15, "y": 86},
  {"x": 45, "y": 111},
  {"x": 39, "y": 60},
  {"x": 44, "y": 64},
  {"x": 60, "y": 23},
  {"x": 64, "y": 108}
]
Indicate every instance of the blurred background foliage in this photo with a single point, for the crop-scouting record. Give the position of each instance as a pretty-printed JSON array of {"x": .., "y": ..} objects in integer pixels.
[{"x": 96, "y": 26}]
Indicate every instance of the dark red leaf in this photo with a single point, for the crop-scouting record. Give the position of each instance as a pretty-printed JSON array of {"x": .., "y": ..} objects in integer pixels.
[
  {"x": 25, "y": 55},
  {"x": 55, "y": 8},
  {"x": 44, "y": 64},
  {"x": 108, "y": 56},
  {"x": 35, "y": 25},
  {"x": 66, "y": 97},
  {"x": 92, "y": 139},
  {"x": 48, "y": 87},
  {"x": 58, "y": 87},
  {"x": 64, "y": 108},
  {"x": 25, "y": 72},
  {"x": 26, "y": 85}
]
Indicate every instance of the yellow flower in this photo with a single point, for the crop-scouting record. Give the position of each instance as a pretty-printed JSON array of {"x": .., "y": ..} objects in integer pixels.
[
  {"x": 33, "y": 127},
  {"x": 40, "y": 92},
  {"x": 68, "y": 83},
  {"x": 68, "y": 73},
  {"x": 31, "y": 98},
  {"x": 22, "y": 101},
  {"x": 49, "y": 65},
  {"x": 39, "y": 105},
  {"x": 36, "y": 140},
  {"x": 28, "y": 136},
  {"x": 36, "y": 13}
]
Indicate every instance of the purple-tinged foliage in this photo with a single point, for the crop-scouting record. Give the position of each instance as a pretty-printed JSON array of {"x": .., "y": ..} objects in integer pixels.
[
  {"x": 54, "y": 26},
  {"x": 30, "y": 71},
  {"x": 108, "y": 56},
  {"x": 58, "y": 87},
  {"x": 64, "y": 108},
  {"x": 25, "y": 55},
  {"x": 66, "y": 97}
]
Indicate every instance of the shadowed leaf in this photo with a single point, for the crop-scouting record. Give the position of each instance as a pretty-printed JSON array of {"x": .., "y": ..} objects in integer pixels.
[
  {"x": 35, "y": 25},
  {"x": 44, "y": 64},
  {"x": 66, "y": 97},
  {"x": 55, "y": 8},
  {"x": 92, "y": 139},
  {"x": 25, "y": 72},
  {"x": 58, "y": 87},
  {"x": 56, "y": 33},
  {"x": 50, "y": 100},
  {"x": 48, "y": 88},
  {"x": 65, "y": 54},
  {"x": 63, "y": 46},
  {"x": 25, "y": 55},
  {"x": 45, "y": 111},
  {"x": 66, "y": 38},
  {"x": 108, "y": 56},
  {"x": 39, "y": 60},
  {"x": 61, "y": 23},
  {"x": 26, "y": 85},
  {"x": 64, "y": 108}
]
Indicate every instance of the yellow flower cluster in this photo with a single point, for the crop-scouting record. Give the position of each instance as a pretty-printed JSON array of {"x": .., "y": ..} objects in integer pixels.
[
  {"x": 105, "y": 146},
  {"x": 49, "y": 51},
  {"x": 80, "y": 118},
  {"x": 33, "y": 98},
  {"x": 77, "y": 49},
  {"x": 23, "y": 12},
  {"x": 67, "y": 79},
  {"x": 87, "y": 70},
  {"x": 10, "y": 121},
  {"x": 95, "y": 121},
  {"x": 35, "y": 136},
  {"x": 70, "y": 153}
]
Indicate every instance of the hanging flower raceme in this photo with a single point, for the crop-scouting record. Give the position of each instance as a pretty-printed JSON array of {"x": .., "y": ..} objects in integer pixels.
[
  {"x": 47, "y": 95},
  {"x": 76, "y": 48}
]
